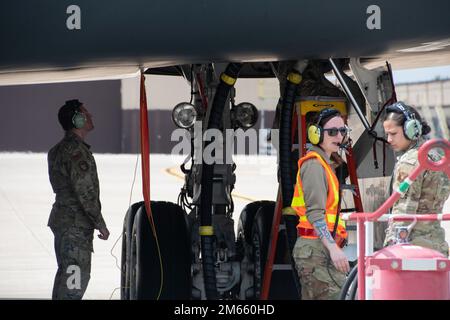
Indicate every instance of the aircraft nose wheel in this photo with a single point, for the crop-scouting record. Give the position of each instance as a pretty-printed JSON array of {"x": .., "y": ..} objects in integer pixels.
[
  {"x": 159, "y": 268},
  {"x": 126, "y": 245},
  {"x": 254, "y": 231},
  {"x": 253, "y": 239}
]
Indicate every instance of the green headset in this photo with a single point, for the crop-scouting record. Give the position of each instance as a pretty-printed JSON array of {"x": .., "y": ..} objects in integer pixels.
[
  {"x": 79, "y": 118},
  {"x": 315, "y": 131},
  {"x": 412, "y": 128}
]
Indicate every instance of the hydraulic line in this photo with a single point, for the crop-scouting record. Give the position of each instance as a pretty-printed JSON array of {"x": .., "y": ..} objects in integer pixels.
[
  {"x": 355, "y": 104},
  {"x": 286, "y": 179},
  {"x": 348, "y": 282},
  {"x": 370, "y": 129},
  {"x": 354, "y": 287},
  {"x": 227, "y": 81},
  {"x": 350, "y": 95},
  {"x": 201, "y": 90}
]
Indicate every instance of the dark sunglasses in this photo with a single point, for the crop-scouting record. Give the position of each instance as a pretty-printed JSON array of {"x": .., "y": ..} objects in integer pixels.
[{"x": 334, "y": 131}]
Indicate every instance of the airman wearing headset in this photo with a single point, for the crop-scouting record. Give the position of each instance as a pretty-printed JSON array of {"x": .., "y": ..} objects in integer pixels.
[
  {"x": 405, "y": 129},
  {"x": 76, "y": 212},
  {"x": 320, "y": 261}
]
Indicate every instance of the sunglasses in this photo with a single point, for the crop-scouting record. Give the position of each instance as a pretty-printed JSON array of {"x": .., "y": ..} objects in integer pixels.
[{"x": 334, "y": 131}]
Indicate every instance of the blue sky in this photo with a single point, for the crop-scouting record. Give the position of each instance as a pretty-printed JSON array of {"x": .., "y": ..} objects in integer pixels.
[{"x": 421, "y": 74}]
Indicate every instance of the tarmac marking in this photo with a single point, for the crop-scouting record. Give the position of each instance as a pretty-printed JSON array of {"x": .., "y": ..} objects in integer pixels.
[{"x": 22, "y": 221}]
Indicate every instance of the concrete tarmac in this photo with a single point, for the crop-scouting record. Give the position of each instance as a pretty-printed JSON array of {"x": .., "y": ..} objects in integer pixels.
[{"x": 27, "y": 260}]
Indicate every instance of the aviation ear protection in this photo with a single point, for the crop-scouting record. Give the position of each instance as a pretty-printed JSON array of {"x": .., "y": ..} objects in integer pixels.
[
  {"x": 79, "y": 118},
  {"x": 412, "y": 128},
  {"x": 315, "y": 131}
]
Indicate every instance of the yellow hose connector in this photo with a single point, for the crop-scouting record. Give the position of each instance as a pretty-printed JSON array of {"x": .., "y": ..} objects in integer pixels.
[
  {"x": 294, "y": 77},
  {"x": 227, "y": 79},
  {"x": 289, "y": 211},
  {"x": 206, "y": 230}
]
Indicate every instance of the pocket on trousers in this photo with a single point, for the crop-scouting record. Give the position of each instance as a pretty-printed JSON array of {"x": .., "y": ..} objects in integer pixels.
[
  {"x": 81, "y": 238},
  {"x": 302, "y": 252}
]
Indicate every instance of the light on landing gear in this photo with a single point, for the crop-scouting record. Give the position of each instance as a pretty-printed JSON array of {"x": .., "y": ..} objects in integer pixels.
[
  {"x": 244, "y": 115},
  {"x": 184, "y": 115}
]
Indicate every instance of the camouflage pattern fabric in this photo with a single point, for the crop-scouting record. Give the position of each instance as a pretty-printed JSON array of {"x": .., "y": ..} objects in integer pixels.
[
  {"x": 73, "y": 176},
  {"x": 319, "y": 279},
  {"x": 427, "y": 194},
  {"x": 73, "y": 248},
  {"x": 75, "y": 214}
]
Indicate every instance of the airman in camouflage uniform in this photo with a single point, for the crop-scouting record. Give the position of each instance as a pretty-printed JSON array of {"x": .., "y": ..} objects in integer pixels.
[
  {"x": 320, "y": 263},
  {"x": 405, "y": 129},
  {"x": 77, "y": 209},
  {"x": 426, "y": 194}
]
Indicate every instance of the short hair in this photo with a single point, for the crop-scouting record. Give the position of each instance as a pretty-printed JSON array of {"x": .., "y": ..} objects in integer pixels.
[{"x": 66, "y": 113}]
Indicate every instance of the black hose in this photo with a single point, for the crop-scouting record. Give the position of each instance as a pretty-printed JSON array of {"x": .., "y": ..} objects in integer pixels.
[
  {"x": 286, "y": 179},
  {"x": 352, "y": 294},
  {"x": 348, "y": 282},
  {"x": 215, "y": 121}
]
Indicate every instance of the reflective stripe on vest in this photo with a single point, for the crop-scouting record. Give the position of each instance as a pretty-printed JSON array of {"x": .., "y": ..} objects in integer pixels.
[{"x": 298, "y": 201}]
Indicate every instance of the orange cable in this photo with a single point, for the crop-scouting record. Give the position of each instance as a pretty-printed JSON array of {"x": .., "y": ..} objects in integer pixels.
[{"x": 145, "y": 152}]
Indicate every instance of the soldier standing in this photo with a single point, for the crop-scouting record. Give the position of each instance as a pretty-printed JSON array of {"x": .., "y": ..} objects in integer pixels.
[
  {"x": 405, "y": 129},
  {"x": 320, "y": 262},
  {"x": 76, "y": 212}
]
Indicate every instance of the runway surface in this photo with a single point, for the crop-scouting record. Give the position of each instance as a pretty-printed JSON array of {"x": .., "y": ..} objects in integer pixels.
[{"x": 27, "y": 260}]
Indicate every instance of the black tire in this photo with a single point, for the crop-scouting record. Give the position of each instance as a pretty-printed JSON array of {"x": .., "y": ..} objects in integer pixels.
[
  {"x": 175, "y": 249},
  {"x": 126, "y": 245},
  {"x": 283, "y": 284},
  {"x": 246, "y": 218},
  {"x": 260, "y": 236},
  {"x": 132, "y": 266}
]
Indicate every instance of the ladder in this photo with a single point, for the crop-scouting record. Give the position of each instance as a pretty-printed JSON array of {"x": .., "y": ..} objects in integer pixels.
[{"x": 277, "y": 268}]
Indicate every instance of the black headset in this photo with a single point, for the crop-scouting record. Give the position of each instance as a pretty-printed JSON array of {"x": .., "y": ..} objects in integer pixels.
[
  {"x": 315, "y": 131},
  {"x": 79, "y": 118},
  {"x": 412, "y": 128}
]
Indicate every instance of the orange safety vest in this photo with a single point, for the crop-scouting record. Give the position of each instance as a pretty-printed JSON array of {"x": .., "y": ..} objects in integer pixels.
[{"x": 304, "y": 228}]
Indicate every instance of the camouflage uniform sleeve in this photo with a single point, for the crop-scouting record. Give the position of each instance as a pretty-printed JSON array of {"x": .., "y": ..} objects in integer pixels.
[
  {"x": 85, "y": 187},
  {"x": 315, "y": 190},
  {"x": 409, "y": 202}
]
